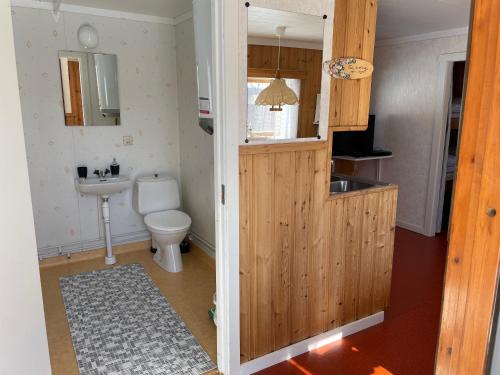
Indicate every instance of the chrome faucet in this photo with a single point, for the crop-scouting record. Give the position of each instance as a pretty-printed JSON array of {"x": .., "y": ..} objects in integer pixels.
[{"x": 102, "y": 173}]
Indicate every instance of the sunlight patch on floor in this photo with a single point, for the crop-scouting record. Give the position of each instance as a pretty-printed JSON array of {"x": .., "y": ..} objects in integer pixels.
[
  {"x": 299, "y": 367},
  {"x": 379, "y": 370},
  {"x": 321, "y": 347}
]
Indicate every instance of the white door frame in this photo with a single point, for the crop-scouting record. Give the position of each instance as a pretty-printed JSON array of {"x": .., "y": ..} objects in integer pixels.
[
  {"x": 445, "y": 77},
  {"x": 226, "y": 171}
]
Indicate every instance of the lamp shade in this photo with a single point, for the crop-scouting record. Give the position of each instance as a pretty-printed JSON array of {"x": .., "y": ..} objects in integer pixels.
[
  {"x": 87, "y": 36},
  {"x": 276, "y": 95}
]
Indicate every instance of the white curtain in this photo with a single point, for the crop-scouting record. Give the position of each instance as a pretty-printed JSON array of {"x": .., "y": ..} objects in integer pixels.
[{"x": 263, "y": 123}]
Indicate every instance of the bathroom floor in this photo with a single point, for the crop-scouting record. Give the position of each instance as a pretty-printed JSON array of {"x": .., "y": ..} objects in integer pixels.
[{"x": 189, "y": 292}]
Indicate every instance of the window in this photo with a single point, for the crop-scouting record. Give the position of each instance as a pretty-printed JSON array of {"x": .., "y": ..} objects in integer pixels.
[{"x": 265, "y": 124}]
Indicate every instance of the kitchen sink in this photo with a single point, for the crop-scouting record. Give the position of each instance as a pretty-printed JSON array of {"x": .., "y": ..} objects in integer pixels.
[{"x": 341, "y": 185}]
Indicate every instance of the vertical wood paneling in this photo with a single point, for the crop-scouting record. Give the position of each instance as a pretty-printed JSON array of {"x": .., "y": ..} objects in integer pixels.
[
  {"x": 304, "y": 177},
  {"x": 308, "y": 263},
  {"x": 263, "y": 242},
  {"x": 246, "y": 257},
  {"x": 368, "y": 241},
  {"x": 370, "y": 24},
  {"x": 284, "y": 197},
  {"x": 338, "y": 228},
  {"x": 353, "y": 47},
  {"x": 354, "y": 218},
  {"x": 379, "y": 300},
  {"x": 319, "y": 253},
  {"x": 389, "y": 244},
  {"x": 339, "y": 40}
]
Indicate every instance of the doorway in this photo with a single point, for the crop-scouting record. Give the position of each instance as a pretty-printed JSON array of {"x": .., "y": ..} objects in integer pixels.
[{"x": 449, "y": 161}]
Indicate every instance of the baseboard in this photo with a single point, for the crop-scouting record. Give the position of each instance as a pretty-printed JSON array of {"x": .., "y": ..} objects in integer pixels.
[
  {"x": 203, "y": 244},
  {"x": 310, "y": 344},
  {"x": 76, "y": 247},
  {"x": 93, "y": 254},
  {"x": 411, "y": 227}
]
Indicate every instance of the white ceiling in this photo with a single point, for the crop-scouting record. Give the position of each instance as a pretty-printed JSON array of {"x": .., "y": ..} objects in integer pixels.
[
  {"x": 396, "y": 18},
  {"x": 160, "y": 8},
  {"x": 262, "y": 23},
  {"x": 400, "y": 18}
]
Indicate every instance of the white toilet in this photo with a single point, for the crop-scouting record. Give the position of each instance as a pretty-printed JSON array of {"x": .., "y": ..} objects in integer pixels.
[{"x": 157, "y": 198}]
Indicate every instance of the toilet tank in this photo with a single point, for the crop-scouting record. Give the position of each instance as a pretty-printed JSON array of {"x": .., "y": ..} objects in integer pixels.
[{"x": 155, "y": 193}]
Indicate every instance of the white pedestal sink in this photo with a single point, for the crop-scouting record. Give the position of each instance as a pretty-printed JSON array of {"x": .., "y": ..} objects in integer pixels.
[{"x": 104, "y": 187}]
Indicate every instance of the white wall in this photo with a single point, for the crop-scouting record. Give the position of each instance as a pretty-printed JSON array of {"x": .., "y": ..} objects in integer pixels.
[
  {"x": 148, "y": 96},
  {"x": 404, "y": 99},
  {"x": 23, "y": 339},
  {"x": 196, "y": 146}
]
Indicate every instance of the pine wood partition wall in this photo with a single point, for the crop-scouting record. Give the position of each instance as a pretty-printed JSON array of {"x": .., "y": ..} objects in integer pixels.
[{"x": 309, "y": 262}]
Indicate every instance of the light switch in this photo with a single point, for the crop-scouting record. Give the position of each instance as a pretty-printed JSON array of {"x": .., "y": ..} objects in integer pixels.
[{"x": 128, "y": 140}]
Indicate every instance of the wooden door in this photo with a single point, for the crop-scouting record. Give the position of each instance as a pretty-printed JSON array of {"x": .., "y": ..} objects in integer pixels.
[{"x": 473, "y": 259}]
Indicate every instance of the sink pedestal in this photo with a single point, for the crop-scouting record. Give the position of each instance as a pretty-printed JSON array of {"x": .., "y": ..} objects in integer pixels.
[
  {"x": 110, "y": 258},
  {"x": 103, "y": 187}
]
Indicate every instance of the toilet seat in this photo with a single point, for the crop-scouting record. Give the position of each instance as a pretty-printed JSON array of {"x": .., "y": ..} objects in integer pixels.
[{"x": 167, "y": 221}]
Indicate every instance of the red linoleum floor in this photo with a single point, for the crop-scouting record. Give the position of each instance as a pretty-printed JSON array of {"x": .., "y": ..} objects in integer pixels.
[{"x": 405, "y": 343}]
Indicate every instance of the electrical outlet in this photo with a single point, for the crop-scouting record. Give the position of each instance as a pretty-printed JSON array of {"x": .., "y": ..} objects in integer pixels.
[{"x": 128, "y": 140}]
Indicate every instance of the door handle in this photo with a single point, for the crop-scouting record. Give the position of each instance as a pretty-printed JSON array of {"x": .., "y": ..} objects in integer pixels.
[{"x": 491, "y": 212}]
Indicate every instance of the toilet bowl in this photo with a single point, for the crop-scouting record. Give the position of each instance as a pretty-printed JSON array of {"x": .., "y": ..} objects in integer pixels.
[
  {"x": 158, "y": 199},
  {"x": 168, "y": 229}
]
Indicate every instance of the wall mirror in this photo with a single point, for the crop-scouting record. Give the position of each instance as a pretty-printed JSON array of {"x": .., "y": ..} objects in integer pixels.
[
  {"x": 285, "y": 54},
  {"x": 89, "y": 88}
]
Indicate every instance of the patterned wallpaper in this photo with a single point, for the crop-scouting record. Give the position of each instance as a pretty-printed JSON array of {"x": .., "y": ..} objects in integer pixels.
[
  {"x": 196, "y": 146},
  {"x": 404, "y": 97},
  {"x": 148, "y": 95}
]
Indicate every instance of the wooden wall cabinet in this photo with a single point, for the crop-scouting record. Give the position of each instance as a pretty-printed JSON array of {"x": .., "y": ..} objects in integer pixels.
[{"x": 353, "y": 36}]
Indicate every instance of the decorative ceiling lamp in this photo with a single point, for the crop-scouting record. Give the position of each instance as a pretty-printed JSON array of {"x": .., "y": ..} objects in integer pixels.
[{"x": 277, "y": 93}]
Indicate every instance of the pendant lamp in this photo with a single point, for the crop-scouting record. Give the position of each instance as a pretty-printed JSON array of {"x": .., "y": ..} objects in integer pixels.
[{"x": 277, "y": 93}]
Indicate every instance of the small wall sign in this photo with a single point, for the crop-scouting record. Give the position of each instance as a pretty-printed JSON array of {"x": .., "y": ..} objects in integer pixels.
[{"x": 348, "y": 68}]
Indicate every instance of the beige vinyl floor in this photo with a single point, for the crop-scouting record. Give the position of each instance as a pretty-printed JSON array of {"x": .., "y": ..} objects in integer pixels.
[{"x": 189, "y": 293}]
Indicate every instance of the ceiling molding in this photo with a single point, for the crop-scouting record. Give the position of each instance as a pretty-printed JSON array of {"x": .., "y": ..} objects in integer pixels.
[
  {"x": 421, "y": 37},
  {"x": 183, "y": 17},
  {"x": 46, "y": 5},
  {"x": 285, "y": 43}
]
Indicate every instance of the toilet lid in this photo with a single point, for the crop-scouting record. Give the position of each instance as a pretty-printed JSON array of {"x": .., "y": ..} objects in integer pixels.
[{"x": 171, "y": 220}]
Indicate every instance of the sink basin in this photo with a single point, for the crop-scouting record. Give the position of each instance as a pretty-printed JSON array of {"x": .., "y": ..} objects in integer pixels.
[
  {"x": 344, "y": 186},
  {"x": 102, "y": 186}
]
